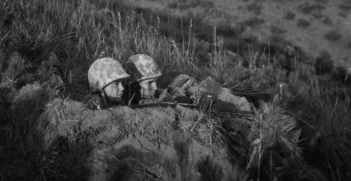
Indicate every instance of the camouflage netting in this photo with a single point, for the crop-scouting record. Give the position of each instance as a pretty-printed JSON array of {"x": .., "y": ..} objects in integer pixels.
[
  {"x": 27, "y": 105},
  {"x": 153, "y": 143}
]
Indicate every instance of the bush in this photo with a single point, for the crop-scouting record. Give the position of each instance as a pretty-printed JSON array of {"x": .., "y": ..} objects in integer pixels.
[
  {"x": 290, "y": 15},
  {"x": 79, "y": 32},
  {"x": 324, "y": 63},
  {"x": 252, "y": 22},
  {"x": 333, "y": 35},
  {"x": 303, "y": 23},
  {"x": 256, "y": 8},
  {"x": 307, "y": 8},
  {"x": 207, "y": 4},
  {"x": 345, "y": 6}
]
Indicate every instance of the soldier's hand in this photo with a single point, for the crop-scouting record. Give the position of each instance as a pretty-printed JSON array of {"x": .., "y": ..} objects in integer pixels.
[
  {"x": 206, "y": 102},
  {"x": 182, "y": 99}
]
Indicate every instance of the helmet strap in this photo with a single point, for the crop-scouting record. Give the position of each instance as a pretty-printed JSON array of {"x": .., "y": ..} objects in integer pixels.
[
  {"x": 130, "y": 96},
  {"x": 105, "y": 98}
]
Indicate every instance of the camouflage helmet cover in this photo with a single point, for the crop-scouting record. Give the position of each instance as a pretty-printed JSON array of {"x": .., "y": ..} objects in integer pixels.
[
  {"x": 104, "y": 71},
  {"x": 142, "y": 67}
]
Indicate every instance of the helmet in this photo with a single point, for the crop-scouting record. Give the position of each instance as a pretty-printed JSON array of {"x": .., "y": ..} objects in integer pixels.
[
  {"x": 103, "y": 72},
  {"x": 142, "y": 67}
]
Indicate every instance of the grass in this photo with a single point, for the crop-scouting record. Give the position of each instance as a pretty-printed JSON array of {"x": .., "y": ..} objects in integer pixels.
[{"x": 308, "y": 128}]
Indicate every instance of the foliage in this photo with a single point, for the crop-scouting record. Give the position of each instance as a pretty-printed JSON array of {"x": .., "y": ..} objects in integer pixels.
[{"x": 305, "y": 130}]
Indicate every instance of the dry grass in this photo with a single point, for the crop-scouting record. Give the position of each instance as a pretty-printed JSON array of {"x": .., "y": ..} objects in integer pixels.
[{"x": 310, "y": 123}]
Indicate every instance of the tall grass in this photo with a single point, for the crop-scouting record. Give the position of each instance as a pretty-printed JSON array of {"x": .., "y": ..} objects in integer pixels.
[{"x": 309, "y": 127}]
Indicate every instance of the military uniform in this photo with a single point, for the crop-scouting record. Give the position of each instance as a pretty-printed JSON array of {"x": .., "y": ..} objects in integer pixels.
[
  {"x": 94, "y": 101},
  {"x": 205, "y": 95}
]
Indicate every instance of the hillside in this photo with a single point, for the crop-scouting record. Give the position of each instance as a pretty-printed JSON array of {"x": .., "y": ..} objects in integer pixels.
[
  {"x": 278, "y": 114},
  {"x": 318, "y": 28}
]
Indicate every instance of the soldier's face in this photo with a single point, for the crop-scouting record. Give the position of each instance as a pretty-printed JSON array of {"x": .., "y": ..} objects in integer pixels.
[
  {"x": 148, "y": 88},
  {"x": 114, "y": 91}
]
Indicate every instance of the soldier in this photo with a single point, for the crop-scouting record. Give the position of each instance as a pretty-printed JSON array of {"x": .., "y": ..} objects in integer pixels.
[
  {"x": 142, "y": 85},
  {"x": 184, "y": 89},
  {"x": 105, "y": 79}
]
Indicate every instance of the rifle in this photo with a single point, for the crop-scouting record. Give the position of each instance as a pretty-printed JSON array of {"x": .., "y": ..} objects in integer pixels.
[
  {"x": 162, "y": 104},
  {"x": 206, "y": 109}
]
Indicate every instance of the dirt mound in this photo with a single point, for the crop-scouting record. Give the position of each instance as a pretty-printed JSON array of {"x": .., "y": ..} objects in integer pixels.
[{"x": 152, "y": 143}]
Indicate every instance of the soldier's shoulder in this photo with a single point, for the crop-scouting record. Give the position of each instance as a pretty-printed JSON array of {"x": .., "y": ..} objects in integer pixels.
[{"x": 93, "y": 101}]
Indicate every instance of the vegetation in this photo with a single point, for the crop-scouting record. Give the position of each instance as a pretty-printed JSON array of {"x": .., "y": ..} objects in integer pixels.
[
  {"x": 333, "y": 35},
  {"x": 290, "y": 15},
  {"x": 308, "y": 8},
  {"x": 303, "y": 23},
  {"x": 301, "y": 134}
]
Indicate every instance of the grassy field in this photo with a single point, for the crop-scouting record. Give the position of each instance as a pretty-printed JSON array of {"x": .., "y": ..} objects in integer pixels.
[
  {"x": 79, "y": 31},
  {"x": 315, "y": 27}
]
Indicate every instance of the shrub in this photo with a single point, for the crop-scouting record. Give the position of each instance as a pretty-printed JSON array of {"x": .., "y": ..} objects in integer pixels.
[
  {"x": 303, "y": 23},
  {"x": 345, "y": 6},
  {"x": 307, "y": 8},
  {"x": 342, "y": 14},
  {"x": 324, "y": 63},
  {"x": 327, "y": 21},
  {"x": 252, "y": 22},
  {"x": 207, "y": 4},
  {"x": 290, "y": 15},
  {"x": 172, "y": 5},
  {"x": 209, "y": 171},
  {"x": 256, "y": 8},
  {"x": 79, "y": 32},
  {"x": 333, "y": 35},
  {"x": 277, "y": 29}
]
